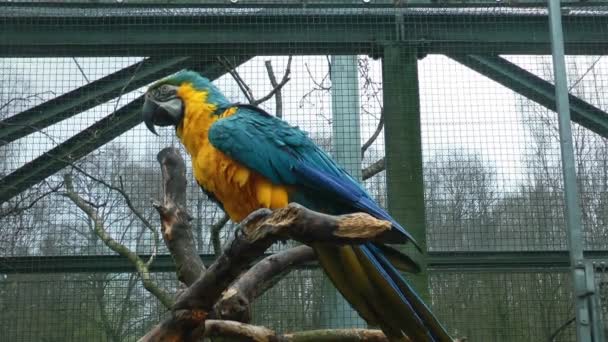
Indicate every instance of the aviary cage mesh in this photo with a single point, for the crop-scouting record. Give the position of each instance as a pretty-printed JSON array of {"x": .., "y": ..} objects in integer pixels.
[{"x": 436, "y": 101}]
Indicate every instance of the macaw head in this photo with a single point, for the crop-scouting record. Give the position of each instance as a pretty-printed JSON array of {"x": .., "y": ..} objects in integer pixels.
[{"x": 164, "y": 105}]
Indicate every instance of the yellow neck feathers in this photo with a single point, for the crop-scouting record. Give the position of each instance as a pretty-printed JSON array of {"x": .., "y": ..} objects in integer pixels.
[
  {"x": 239, "y": 189},
  {"x": 198, "y": 118}
]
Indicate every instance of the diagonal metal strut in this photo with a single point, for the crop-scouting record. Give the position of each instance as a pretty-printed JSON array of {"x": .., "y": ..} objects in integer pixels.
[
  {"x": 535, "y": 88},
  {"x": 90, "y": 139},
  {"x": 87, "y": 96}
]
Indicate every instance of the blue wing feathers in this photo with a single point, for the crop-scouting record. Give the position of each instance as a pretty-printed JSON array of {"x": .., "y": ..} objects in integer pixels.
[
  {"x": 286, "y": 155},
  {"x": 350, "y": 192}
]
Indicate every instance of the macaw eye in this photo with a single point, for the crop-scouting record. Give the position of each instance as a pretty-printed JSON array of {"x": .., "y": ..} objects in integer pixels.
[{"x": 164, "y": 92}]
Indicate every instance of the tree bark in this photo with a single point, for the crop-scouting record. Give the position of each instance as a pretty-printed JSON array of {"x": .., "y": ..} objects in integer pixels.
[
  {"x": 237, "y": 331},
  {"x": 235, "y": 302},
  {"x": 259, "y": 231},
  {"x": 175, "y": 220},
  {"x": 207, "y": 295}
]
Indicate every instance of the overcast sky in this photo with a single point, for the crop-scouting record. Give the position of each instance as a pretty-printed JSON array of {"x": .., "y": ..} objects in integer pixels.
[{"x": 461, "y": 109}]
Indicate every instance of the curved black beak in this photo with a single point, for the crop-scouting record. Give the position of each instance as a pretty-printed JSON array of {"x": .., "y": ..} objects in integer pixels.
[{"x": 166, "y": 113}]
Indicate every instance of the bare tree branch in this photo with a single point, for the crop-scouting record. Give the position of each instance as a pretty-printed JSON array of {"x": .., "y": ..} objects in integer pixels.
[
  {"x": 374, "y": 136},
  {"x": 175, "y": 220},
  {"x": 557, "y": 331},
  {"x": 216, "y": 228},
  {"x": 99, "y": 292},
  {"x": 589, "y": 69},
  {"x": 245, "y": 332},
  {"x": 129, "y": 203},
  {"x": 260, "y": 230},
  {"x": 235, "y": 302},
  {"x": 122, "y": 91},
  {"x": 99, "y": 230},
  {"x": 318, "y": 86},
  {"x": 84, "y": 75},
  {"x": 237, "y": 78},
  {"x": 16, "y": 209},
  {"x": 373, "y": 169},
  {"x": 246, "y": 90},
  {"x": 196, "y": 302},
  {"x": 276, "y": 86},
  {"x": 25, "y": 99}
]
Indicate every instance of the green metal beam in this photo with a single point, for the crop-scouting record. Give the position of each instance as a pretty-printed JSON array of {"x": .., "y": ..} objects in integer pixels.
[
  {"x": 330, "y": 3},
  {"x": 535, "y": 88},
  {"x": 583, "y": 290},
  {"x": 537, "y": 261},
  {"x": 143, "y": 31},
  {"x": 336, "y": 312},
  {"x": 403, "y": 144},
  {"x": 499, "y": 261},
  {"x": 87, "y": 263},
  {"x": 87, "y": 141},
  {"x": 71, "y": 150},
  {"x": 87, "y": 96}
]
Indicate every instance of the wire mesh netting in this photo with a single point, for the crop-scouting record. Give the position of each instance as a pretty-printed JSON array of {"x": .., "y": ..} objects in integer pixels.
[{"x": 442, "y": 112}]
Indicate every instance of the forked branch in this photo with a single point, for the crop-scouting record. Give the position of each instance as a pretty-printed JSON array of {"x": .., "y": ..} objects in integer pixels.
[
  {"x": 175, "y": 220},
  {"x": 100, "y": 230},
  {"x": 256, "y": 234}
]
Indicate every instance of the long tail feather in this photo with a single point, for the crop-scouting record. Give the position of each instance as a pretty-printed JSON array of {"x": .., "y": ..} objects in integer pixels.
[
  {"x": 431, "y": 327},
  {"x": 370, "y": 283},
  {"x": 401, "y": 261}
]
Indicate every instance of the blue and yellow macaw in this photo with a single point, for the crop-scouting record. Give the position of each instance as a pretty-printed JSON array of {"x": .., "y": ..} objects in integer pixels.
[{"x": 245, "y": 159}]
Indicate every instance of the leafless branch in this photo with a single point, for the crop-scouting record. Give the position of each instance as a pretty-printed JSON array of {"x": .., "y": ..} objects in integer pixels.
[
  {"x": 259, "y": 231},
  {"x": 175, "y": 220},
  {"x": 122, "y": 91},
  {"x": 318, "y": 86},
  {"x": 276, "y": 86},
  {"x": 374, "y": 136},
  {"x": 373, "y": 169},
  {"x": 246, "y": 90},
  {"x": 129, "y": 203},
  {"x": 237, "y": 78},
  {"x": 235, "y": 302},
  {"x": 560, "y": 329},
  {"x": 216, "y": 228},
  {"x": 245, "y": 332},
  {"x": 25, "y": 99},
  {"x": 100, "y": 231},
  {"x": 17, "y": 209},
  {"x": 81, "y": 70},
  {"x": 589, "y": 69}
]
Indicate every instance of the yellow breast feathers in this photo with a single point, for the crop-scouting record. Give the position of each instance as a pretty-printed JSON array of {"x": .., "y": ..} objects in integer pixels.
[{"x": 240, "y": 190}]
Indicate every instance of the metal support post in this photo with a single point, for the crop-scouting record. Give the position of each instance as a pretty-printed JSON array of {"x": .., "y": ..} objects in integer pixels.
[
  {"x": 587, "y": 324},
  {"x": 345, "y": 113},
  {"x": 402, "y": 132},
  {"x": 346, "y": 141}
]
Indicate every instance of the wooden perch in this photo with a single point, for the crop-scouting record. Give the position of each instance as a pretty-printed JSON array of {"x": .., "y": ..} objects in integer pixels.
[
  {"x": 299, "y": 223},
  {"x": 259, "y": 231},
  {"x": 175, "y": 220},
  {"x": 264, "y": 227},
  {"x": 225, "y": 282},
  {"x": 235, "y": 301},
  {"x": 197, "y": 301},
  {"x": 245, "y": 332},
  {"x": 237, "y": 331}
]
